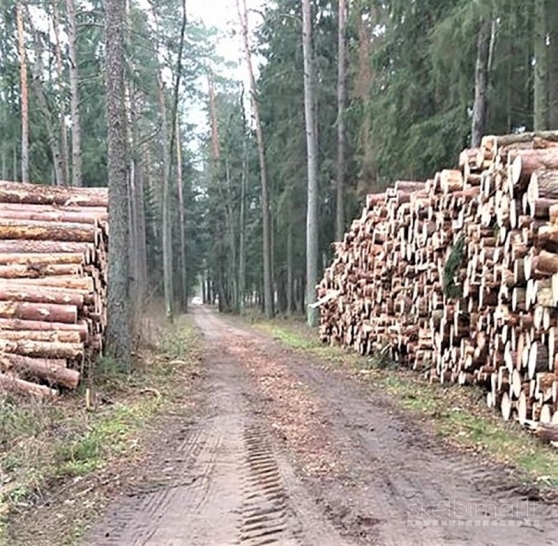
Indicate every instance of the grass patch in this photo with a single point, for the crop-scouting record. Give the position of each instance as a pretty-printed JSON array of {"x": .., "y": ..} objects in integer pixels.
[
  {"x": 455, "y": 413},
  {"x": 50, "y": 447}
]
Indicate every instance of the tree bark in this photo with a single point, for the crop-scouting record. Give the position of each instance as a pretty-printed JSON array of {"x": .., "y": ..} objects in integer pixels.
[
  {"x": 182, "y": 221},
  {"x": 266, "y": 215},
  {"x": 118, "y": 328},
  {"x": 481, "y": 83},
  {"x": 541, "y": 67},
  {"x": 552, "y": 11},
  {"x": 74, "y": 94},
  {"x": 64, "y": 173},
  {"x": 24, "y": 94},
  {"x": 290, "y": 264},
  {"x": 36, "y": 74},
  {"x": 311, "y": 145},
  {"x": 167, "y": 221},
  {"x": 341, "y": 100},
  {"x": 242, "y": 221}
]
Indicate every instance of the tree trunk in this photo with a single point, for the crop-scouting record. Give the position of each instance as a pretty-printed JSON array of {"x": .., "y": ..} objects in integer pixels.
[
  {"x": 341, "y": 143},
  {"x": 118, "y": 328},
  {"x": 74, "y": 94},
  {"x": 24, "y": 94},
  {"x": 182, "y": 221},
  {"x": 242, "y": 223},
  {"x": 311, "y": 144},
  {"x": 290, "y": 260},
  {"x": 266, "y": 216},
  {"x": 62, "y": 111},
  {"x": 36, "y": 74},
  {"x": 552, "y": 11},
  {"x": 167, "y": 220},
  {"x": 541, "y": 67},
  {"x": 481, "y": 83}
]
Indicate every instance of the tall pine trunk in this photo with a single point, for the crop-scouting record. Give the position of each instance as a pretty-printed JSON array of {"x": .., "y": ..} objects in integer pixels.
[
  {"x": 481, "y": 83},
  {"x": 37, "y": 70},
  {"x": 182, "y": 221},
  {"x": 541, "y": 67},
  {"x": 24, "y": 94},
  {"x": 62, "y": 110},
  {"x": 311, "y": 145},
  {"x": 341, "y": 99},
  {"x": 242, "y": 223},
  {"x": 266, "y": 213},
  {"x": 118, "y": 298},
  {"x": 552, "y": 10},
  {"x": 74, "y": 94},
  {"x": 167, "y": 219},
  {"x": 290, "y": 259}
]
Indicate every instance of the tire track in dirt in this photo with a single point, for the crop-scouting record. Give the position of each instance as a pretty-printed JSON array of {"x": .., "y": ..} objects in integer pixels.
[
  {"x": 399, "y": 486},
  {"x": 219, "y": 481}
]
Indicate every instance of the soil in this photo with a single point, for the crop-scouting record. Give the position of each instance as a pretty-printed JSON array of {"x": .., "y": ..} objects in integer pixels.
[{"x": 282, "y": 451}]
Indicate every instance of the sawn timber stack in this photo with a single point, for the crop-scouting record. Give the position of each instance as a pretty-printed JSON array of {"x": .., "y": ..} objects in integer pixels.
[
  {"x": 457, "y": 276},
  {"x": 53, "y": 278}
]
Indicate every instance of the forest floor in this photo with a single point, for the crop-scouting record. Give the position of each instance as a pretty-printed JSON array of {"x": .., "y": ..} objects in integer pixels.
[{"x": 280, "y": 440}]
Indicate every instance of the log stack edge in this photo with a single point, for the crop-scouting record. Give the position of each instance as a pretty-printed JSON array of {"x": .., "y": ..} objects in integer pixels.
[
  {"x": 53, "y": 279},
  {"x": 457, "y": 277}
]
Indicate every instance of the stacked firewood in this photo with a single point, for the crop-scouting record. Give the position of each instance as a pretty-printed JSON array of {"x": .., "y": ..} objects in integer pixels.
[
  {"x": 53, "y": 273},
  {"x": 458, "y": 276}
]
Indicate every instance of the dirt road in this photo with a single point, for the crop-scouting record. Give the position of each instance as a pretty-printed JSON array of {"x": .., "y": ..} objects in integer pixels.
[{"x": 283, "y": 452}]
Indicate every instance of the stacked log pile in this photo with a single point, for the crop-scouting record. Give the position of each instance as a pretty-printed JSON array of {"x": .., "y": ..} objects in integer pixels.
[
  {"x": 457, "y": 277},
  {"x": 53, "y": 273}
]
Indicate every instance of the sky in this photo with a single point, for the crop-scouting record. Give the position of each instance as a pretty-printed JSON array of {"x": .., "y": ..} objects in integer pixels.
[{"x": 223, "y": 15}]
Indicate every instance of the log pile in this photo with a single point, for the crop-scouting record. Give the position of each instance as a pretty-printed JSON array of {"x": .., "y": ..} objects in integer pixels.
[
  {"x": 457, "y": 276},
  {"x": 53, "y": 273}
]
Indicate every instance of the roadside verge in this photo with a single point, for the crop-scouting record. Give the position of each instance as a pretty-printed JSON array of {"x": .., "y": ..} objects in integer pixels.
[{"x": 60, "y": 463}]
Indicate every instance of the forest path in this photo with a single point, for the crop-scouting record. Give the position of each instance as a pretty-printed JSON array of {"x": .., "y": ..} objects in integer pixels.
[{"x": 284, "y": 452}]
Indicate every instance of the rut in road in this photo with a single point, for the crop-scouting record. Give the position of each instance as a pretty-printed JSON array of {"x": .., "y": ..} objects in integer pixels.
[
  {"x": 284, "y": 452},
  {"x": 223, "y": 482}
]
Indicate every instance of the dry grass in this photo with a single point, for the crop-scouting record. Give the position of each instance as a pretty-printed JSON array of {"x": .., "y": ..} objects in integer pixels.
[{"x": 50, "y": 451}]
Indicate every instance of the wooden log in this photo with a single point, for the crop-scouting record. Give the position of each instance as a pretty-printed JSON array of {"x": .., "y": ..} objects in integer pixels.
[
  {"x": 451, "y": 180},
  {"x": 543, "y": 184},
  {"x": 53, "y": 214},
  {"x": 540, "y": 208},
  {"x": 81, "y": 327},
  {"x": 44, "y": 247},
  {"x": 47, "y": 312},
  {"x": 16, "y": 192},
  {"x": 36, "y": 230},
  {"x": 39, "y": 294},
  {"x": 64, "y": 336},
  {"x": 538, "y": 359},
  {"x": 65, "y": 282},
  {"x": 546, "y": 263},
  {"x": 38, "y": 270},
  {"x": 19, "y": 386},
  {"x": 42, "y": 259},
  {"x": 526, "y": 162},
  {"x": 523, "y": 138},
  {"x": 43, "y": 349},
  {"x": 547, "y": 238},
  {"x": 43, "y": 369},
  {"x": 506, "y": 406}
]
